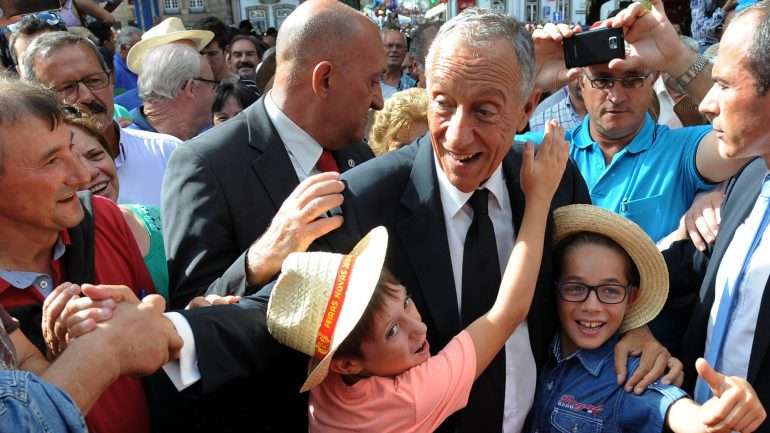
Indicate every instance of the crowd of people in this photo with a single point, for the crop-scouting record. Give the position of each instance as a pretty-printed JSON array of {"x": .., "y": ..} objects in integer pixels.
[{"x": 338, "y": 227}]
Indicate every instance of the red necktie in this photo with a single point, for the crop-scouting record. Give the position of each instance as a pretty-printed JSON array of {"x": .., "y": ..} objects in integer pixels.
[{"x": 326, "y": 162}]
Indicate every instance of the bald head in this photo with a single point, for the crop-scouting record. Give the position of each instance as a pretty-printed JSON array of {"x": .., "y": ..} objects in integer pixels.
[{"x": 319, "y": 30}]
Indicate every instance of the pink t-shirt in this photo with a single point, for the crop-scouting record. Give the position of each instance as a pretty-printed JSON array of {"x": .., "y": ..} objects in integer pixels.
[{"x": 418, "y": 400}]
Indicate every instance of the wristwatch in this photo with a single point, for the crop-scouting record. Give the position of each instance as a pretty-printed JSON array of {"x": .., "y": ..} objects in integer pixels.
[{"x": 679, "y": 84}]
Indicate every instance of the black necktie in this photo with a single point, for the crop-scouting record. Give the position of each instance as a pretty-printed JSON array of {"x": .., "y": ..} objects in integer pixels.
[{"x": 481, "y": 280}]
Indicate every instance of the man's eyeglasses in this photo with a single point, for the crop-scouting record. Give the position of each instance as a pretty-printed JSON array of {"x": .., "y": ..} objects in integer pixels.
[
  {"x": 609, "y": 82},
  {"x": 571, "y": 291},
  {"x": 213, "y": 83},
  {"x": 70, "y": 89}
]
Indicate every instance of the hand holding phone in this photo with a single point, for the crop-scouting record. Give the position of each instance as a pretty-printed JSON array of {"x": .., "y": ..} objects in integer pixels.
[{"x": 594, "y": 47}]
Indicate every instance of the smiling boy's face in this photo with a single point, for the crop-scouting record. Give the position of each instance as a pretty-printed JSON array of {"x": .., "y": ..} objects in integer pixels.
[
  {"x": 399, "y": 339},
  {"x": 588, "y": 324}
]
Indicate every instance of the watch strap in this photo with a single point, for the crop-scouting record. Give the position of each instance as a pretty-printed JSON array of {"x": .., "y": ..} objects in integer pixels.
[{"x": 680, "y": 83}]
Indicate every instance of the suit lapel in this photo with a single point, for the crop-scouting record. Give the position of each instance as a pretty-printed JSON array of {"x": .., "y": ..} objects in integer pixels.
[
  {"x": 762, "y": 329},
  {"x": 734, "y": 217},
  {"x": 423, "y": 237},
  {"x": 351, "y": 156},
  {"x": 511, "y": 167},
  {"x": 272, "y": 166}
]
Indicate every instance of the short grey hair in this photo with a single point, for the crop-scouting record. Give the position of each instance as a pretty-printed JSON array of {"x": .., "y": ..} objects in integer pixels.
[
  {"x": 166, "y": 69},
  {"x": 44, "y": 45},
  {"x": 477, "y": 27},
  {"x": 126, "y": 34}
]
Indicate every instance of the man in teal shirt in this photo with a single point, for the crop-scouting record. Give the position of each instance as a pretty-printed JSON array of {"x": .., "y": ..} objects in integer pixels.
[{"x": 643, "y": 171}]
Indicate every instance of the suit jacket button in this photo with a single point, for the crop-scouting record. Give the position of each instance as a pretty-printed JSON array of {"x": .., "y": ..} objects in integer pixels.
[{"x": 351, "y": 163}]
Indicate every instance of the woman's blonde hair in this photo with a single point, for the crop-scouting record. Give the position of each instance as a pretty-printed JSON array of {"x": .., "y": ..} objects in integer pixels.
[{"x": 401, "y": 112}]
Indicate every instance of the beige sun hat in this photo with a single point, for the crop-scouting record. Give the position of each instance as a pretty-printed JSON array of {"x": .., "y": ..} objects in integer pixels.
[
  {"x": 320, "y": 297},
  {"x": 168, "y": 31},
  {"x": 653, "y": 273}
]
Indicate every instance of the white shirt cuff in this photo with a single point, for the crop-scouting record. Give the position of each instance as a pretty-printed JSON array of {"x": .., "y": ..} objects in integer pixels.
[{"x": 184, "y": 371}]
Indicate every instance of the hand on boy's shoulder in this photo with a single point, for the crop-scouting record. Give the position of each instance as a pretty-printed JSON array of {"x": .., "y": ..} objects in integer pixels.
[
  {"x": 655, "y": 361},
  {"x": 658, "y": 385}
]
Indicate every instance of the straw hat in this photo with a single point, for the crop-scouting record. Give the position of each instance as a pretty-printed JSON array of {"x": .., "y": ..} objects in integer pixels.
[
  {"x": 320, "y": 297},
  {"x": 168, "y": 31},
  {"x": 653, "y": 273}
]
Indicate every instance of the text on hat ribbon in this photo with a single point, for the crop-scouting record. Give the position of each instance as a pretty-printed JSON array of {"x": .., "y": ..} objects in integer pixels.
[{"x": 333, "y": 308}]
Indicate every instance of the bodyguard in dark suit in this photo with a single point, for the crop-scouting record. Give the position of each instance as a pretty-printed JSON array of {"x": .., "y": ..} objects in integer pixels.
[
  {"x": 223, "y": 188},
  {"x": 730, "y": 323},
  {"x": 234, "y": 207}
]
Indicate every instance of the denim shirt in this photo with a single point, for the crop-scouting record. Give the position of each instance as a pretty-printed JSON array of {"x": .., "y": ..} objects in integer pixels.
[
  {"x": 30, "y": 405},
  {"x": 580, "y": 394}
]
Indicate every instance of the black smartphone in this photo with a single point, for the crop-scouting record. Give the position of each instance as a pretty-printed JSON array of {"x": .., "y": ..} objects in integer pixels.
[
  {"x": 594, "y": 47},
  {"x": 10, "y": 8}
]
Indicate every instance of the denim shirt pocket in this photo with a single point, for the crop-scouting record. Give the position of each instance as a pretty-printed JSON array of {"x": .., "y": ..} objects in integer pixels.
[{"x": 569, "y": 421}]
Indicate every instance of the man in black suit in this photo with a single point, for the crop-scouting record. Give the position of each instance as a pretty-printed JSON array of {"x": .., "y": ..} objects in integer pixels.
[
  {"x": 224, "y": 229},
  {"x": 731, "y": 320},
  {"x": 234, "y": 204},
  {"x": 480, "y": 88}
]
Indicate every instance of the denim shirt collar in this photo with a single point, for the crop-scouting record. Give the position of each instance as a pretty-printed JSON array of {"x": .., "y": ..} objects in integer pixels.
[
  {"x": 592, "y": 360},
  {"x": 641, "y": 142}
]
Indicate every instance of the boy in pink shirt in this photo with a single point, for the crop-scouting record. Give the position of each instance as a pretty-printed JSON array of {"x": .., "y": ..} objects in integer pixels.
[{"x": 371, "y": 368}]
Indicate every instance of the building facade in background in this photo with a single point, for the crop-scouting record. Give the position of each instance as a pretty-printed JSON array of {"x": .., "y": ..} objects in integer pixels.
[{"x": 271, "y": 13}]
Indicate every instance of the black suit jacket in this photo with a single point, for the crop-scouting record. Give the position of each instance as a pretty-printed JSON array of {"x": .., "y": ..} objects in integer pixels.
[
  {"x": 400, "y": 191},
  {"x": 690, "y": 269},
  {"x": 220, "y": 192}
]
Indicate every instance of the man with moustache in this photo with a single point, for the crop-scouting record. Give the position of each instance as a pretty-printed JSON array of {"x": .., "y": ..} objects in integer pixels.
[
  {"x": 243, "y": 56},
  {"x": 72, "y": 66}
]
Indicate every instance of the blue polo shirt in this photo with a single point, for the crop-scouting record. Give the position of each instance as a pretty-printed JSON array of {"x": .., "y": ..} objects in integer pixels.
[
  {"x": 580, "y": 393},
  {"x": 652, "y": 181}
]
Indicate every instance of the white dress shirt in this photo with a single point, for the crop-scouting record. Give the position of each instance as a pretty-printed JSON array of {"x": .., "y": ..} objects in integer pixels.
[
  {"x": 141, "y": 164},
  {"x": 303, "y": 152},
  {"x": 520, "y": 369},
  {"x": 739, "y": 338}
]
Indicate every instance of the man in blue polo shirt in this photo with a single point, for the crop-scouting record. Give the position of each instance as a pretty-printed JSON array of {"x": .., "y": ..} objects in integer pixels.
[{"x": 643, "y": 171}]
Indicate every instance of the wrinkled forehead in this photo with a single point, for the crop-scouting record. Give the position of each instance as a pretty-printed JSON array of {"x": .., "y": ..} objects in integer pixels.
[{"x": 481, "y": 58}]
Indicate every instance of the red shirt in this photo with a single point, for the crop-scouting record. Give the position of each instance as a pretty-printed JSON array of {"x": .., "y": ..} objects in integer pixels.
[{"x": 117, "y": 260}]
